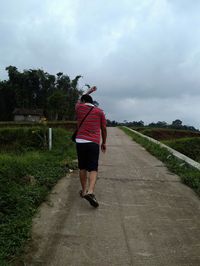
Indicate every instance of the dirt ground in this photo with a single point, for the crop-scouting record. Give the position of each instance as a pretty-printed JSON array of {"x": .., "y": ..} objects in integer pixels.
[{"x": 146, "y": 215}]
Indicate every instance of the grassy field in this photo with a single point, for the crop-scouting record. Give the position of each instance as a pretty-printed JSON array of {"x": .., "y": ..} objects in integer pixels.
[
  {"x": 27, "y": 173},
  {"x": 163, "y": 134},
  {"x": 188, "y": 146},
  {"x": 61, "y": 124},
  {"x": 189, "y": 175},
  {"x": 184, "y": 141}
]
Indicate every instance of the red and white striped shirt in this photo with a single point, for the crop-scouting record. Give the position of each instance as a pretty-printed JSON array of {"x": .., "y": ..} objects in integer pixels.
[{"x": 91, "y": 128}]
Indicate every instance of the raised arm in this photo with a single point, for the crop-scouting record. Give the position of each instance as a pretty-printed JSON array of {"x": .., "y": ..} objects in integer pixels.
[{"x": 89, "y": 91}]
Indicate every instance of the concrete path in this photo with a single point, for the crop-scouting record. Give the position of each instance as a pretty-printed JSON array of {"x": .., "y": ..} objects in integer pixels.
[{"x": 146, "y": 216}]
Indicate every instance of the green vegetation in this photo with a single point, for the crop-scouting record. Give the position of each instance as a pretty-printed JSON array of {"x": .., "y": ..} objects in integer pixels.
[
  {"x": 63, "y": 124},
  {"x": 26, "y": 176},
  {"x": 188, "y": 146},
  {"x": 139, "y": 125},
  {"x": 23, "y": 139},
  {"x": 184, "y": 141},
  {"x": 166, "y": 134},
  {"x": 188, "y": 174},
  {"x": 56, "y": 95}
]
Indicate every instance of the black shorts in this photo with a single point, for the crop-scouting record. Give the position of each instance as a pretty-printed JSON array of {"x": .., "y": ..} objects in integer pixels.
[{"x": 88, "y": 156}]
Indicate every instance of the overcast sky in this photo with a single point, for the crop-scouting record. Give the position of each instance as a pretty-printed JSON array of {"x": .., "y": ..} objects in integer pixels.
[{"x": 143, "y": 55}]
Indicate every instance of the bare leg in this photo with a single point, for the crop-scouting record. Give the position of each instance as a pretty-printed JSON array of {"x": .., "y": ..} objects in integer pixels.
[
  {"x": 90, "y": 194},
  {"x": 92, "y": 181},
  {"x": 83, "y": 180}
]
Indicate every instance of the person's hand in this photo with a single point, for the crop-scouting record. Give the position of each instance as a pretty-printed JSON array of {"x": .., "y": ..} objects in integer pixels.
[
  {"x": 92, "y": 89},
  {"x": 103, "y": 147}
]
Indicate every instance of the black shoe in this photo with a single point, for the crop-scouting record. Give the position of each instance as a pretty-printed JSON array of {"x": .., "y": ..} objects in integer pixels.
[{"x": 92, "y": 200}]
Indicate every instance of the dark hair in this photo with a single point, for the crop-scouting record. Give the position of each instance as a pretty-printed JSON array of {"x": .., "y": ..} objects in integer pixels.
[{"x": 86, "y": 98}]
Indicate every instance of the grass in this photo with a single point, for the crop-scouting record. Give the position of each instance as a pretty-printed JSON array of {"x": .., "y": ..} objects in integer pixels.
[
  {"x": 167, "y": 133},
  {"x": 23, "y": 139},
  {"x": 188, "y": 146},
  {"x": 64, "y": 124},
  {"x": 25, "y": 180},
  {"x": 189, "y": 175},
  {"x": 184, "y": 141}
]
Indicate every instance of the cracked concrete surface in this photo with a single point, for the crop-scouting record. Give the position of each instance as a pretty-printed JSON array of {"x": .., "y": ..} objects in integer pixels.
[{"x": 146, "y": 215}]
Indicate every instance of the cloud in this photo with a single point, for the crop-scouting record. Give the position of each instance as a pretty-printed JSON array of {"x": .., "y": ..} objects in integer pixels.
[
  {"x": 153, "y": 109},
  {"x": 136, "y": 52}
]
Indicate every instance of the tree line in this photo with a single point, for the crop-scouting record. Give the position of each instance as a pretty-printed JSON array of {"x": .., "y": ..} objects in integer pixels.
[
  {"x": 176, "y": 124},
  {"x": 56, "y": 94}
]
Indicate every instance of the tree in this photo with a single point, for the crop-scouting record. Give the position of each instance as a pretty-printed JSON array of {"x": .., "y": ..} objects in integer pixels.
[
  {"x": 57, "y": 105},
  {"x": 177, "y": 124},
  {"x": 7, "y": 101},
  {"x": 35, "y": 88}
]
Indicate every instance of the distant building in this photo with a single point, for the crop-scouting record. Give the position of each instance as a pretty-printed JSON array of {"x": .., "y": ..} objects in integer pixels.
[{"x": 28, "y": 115}]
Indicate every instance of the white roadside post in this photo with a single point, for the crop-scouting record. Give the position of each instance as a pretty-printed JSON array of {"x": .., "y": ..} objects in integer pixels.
[{"x": 50, "y": 138}]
